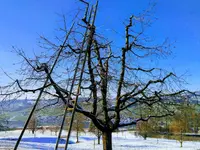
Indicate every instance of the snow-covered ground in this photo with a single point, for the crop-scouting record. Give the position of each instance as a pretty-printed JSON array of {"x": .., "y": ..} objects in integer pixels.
[{"x": 121, "y": 141}]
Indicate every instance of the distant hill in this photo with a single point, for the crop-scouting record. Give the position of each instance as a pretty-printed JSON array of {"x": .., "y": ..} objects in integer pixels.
[{"x": 15, "y": 112}]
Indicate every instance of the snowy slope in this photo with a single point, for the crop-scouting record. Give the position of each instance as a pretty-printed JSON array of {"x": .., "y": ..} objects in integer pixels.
[{"x": 121, "y": 141}]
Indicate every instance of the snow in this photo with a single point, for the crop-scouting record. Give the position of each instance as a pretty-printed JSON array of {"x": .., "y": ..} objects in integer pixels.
[{"x": 122, "y": 140}]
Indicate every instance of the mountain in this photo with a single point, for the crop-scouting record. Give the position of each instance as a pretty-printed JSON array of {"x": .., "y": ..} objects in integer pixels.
[{"x": 15, "y": 112}]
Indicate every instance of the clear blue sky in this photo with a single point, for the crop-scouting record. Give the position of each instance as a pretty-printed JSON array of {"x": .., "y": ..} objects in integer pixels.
[{"x": 22, "y": 21}]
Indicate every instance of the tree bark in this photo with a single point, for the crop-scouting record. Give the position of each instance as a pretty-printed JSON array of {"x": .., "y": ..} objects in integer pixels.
[
  {"x": 77, "y": 141},
  {"x": 99, "y": 136},
  {"x": 77, "y": 131},
  {"x": 107, "y": 140},
  {"x": 99, "y": 139}
]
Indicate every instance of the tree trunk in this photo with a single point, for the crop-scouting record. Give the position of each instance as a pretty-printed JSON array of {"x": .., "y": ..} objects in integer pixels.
[
  {"x": 98, "y": 136},
  {"x": 99, "y": 139},
  {"x": 77, "y": 141},
  {"x": 181, "y": 140},
  {"x": 77, "y": 131},
  {"x": 107, "y": 140}
]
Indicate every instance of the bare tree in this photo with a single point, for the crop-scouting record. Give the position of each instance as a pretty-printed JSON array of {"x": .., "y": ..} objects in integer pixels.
[
  {"x": 33, "y": 124},
  {"x": 95, "y": 131},
  {"x": 78, "y": 125},
  {"x": 114, "y": 81},
  {"x": 3, "y": 121}
]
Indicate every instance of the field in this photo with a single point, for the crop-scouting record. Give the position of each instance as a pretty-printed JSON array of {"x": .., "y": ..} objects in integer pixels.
[{"x": 123, "y": 140}]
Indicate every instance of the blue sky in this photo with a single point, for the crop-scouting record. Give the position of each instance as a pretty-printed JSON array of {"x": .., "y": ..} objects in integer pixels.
[{"x": 22, "y": 21}]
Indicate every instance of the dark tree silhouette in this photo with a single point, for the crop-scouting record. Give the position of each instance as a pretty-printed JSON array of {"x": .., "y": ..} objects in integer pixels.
[{"x": 114, "y": 81}]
